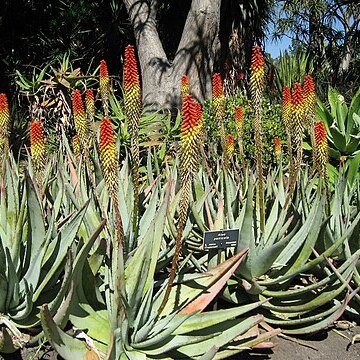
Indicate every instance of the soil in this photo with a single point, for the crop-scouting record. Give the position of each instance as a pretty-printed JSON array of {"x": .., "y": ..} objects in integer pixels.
[{"x": 329, "y": 345}]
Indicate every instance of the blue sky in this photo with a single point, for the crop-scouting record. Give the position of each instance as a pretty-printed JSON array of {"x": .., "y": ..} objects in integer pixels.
[{"x": 275, "y": 47}]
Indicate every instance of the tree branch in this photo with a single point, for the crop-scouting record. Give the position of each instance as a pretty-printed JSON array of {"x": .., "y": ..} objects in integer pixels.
[{"x": 196, "y": 50}]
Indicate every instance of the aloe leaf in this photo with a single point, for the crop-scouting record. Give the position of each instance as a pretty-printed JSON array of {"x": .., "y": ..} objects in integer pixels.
[
  {"x": 148, "y": 215},
  {"x": 66, "y": 346},
  {"x": 7, "y": 345},
  {"x": 95, "y": 323},
  {"x": 22, "y": 314},
  {"x": 230, "y": 196},
  {"x": 189, "y": 291},
  {"x": 353, "y": 172},
  {"x": 37, "y": 233},
  {"x": 303, "y": 319},
  {"x": 316, "y": 261},
  {"x": 247, "y": 236},
  {"x": 12, "y": 281},
  {"x": 201, "y": 302},
  {"x": 323, "y": 298},
  {"x": 239, "y": 346},
  {"x": 212, "y": 318},
  {"x": 325, "y": 322},
  {"x": 230, "y": 331},
  {"x": 65, "y": 238},
  {"x": 163, "y": 335},
  {"x": 354, "y": 108},
  {"x": 80, "y": 261},
  {"x": 209, "y": 355},
  {"x": 289, "y": 293},
  {"x": 177, "y": 342},
  {"x": 313, "y": 221},
  {"x": 310, "y": 241}
]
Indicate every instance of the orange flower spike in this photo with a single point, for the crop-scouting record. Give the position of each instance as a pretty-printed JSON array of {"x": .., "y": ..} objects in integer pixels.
[
  {"x": 257, "y": 77},
  {"x": 76, "y": 145},
  {"x": 81, "y": 125},
  {"x": 286, "y": 106},
  {"x": 37, "y": 144},
  {"x": 108, "y": 154},
  {"x": 217, "y": 88},
  {"x": 191, "y": 127},
  {"x": 230, "y": 145},
  {"x": 309, "y": 99},
  {"x": 297, "y": 107},
  {"x": 309, "y": 89},
  {"x": 104, "y": 86},
  {"x": 4, "y": 114},
  {"x": 277, "y": 147},
  {"x": 239, "y": 119},
  {"x": 90, "y": 104},
  {"x": 132, "y": 90},
  {"x": 191, "y": 121},
  {"x": 219, "y": 107},
  {"x": 185, "y": 86},
  {"x": 321, "y": 147}
]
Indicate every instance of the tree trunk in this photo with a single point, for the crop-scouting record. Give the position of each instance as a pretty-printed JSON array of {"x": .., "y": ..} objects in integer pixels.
[{"x": 194, "y": 57}]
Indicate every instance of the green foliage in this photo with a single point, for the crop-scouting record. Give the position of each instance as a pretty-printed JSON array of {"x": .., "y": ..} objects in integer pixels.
[
  {"x": 342, "y": 123},
  {"x": 272, "y": 126},
  {"x": 291, "y": 68}
]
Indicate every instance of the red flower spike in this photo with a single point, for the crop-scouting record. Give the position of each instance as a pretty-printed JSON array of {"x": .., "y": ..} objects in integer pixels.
[
  {"x": 286, "y": 107},
  {"x": 108, "y": 154},
  {"x": 309, "y": 100},
  {"x": 230, "y": 145},
  {"x": 217, "y": 88},
  {"x": 104, "y": 86},
  {"x": 4, "y": 114},
  {"x": 239, "y": 116},
  {"x": 297, "y": 103},
  {"x": 320, "y": 148},
  {"x": 81, "y": 125},
  {"x": 185, "y": 87},
  {"x": 37, "y": 144},
  {"x": 257, "y": 70},
  {"x": 309, "y": 86},
  {"x": 132, "y": 90},
  {"x": 89, "y": 101}
]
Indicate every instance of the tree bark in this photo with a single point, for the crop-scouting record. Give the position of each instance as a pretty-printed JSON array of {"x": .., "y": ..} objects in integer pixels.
[{"x": 194, "y": 57}]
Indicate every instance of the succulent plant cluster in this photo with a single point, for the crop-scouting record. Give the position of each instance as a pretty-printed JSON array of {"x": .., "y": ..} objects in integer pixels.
[{"x": 101, "y": 244}]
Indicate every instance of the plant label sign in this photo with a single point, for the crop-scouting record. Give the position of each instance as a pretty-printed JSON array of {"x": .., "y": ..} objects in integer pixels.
[{"x": 220, "y": 239}]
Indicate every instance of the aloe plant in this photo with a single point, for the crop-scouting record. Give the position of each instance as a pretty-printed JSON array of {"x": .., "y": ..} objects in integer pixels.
[
  {"x": 34, "y": 251},
  {"x": 342, "y": 123},
  {"x": 277, "y": 257},
  {"x": 142, "y": 333}
]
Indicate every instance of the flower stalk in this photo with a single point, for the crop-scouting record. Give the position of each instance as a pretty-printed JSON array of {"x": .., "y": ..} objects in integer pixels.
[
  {"x": 286, "y": 119},
  {"x": 81, "y": 124},
  {"x": 239, "y": 121},
  {"x": 90, "y": 111},
  {"x": 191, "y": 133},
  {"x": 37, "y": 147},
  {"x": 133, "y": 108},
  {"x": 104, "y": 81},
  {"x": 298, "y": 115},
  {"x": 4, "y": 127},
  {"x": 110, "y": 169},
  {"x": 277, "y": 150},
  {"x": 309, "y": 106},
  {"x": 321, "y": 156},
  {"x": 257, "y": 85},
  {"x": 219, "y": 108}
]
